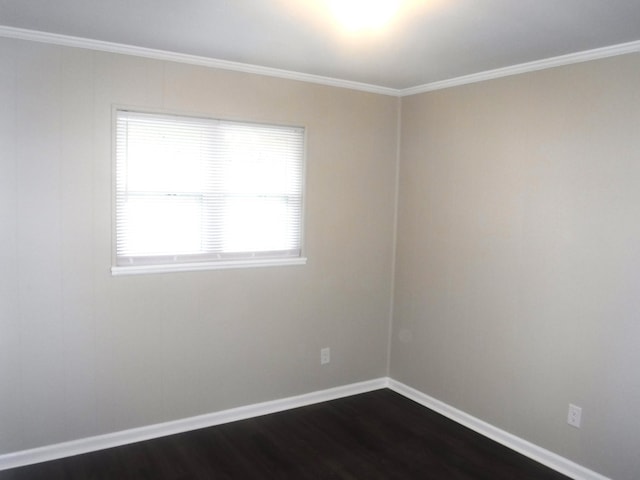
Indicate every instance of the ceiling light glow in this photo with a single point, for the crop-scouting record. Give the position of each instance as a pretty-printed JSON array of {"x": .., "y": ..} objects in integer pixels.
[{"x": 364, "y": 15}]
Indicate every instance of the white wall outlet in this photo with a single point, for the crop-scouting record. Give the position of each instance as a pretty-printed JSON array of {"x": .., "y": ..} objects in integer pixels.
[
  {"x": 325, "y": 355},
  {"x": 575, "y": 416}
]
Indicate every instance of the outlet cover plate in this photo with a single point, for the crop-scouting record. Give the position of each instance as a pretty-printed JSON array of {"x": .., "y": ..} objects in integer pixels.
[
  {"x": 575, "y": 416},
  {"x": 325, "y": 355}
]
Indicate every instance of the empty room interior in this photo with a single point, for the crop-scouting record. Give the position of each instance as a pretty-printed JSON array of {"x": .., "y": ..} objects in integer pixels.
[{"x": 468, "y": 232}]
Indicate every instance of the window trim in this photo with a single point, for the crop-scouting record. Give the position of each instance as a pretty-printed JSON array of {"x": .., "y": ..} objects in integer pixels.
[
  {"x": 258, "y": 261},
  {"x": 199, "y": 266}
]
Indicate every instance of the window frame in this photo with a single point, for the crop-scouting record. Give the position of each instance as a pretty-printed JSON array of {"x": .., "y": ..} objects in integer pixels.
[{"x": 248, "y": 261}]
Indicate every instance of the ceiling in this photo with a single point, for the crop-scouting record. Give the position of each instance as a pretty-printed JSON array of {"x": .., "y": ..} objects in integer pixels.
[{"x": 426, "y": 41}]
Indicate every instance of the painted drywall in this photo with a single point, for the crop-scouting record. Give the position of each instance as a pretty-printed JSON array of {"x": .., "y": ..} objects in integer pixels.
[
  {"x": 517, "y": 287},
  {"x": 84, "y": 353}
]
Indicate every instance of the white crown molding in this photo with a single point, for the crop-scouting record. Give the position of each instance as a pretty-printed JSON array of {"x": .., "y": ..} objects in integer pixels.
[
  {"x": 544, "y": 64},
  {"x": 528, "y": 449},
  {"x": 99, "y": 45},
  {"x": 100, "y": 442}
]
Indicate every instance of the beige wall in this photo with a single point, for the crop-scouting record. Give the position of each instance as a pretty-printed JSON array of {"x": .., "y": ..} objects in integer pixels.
[
  {"x": 517, "y": 283},
  {"x": 85, "y": 353}
]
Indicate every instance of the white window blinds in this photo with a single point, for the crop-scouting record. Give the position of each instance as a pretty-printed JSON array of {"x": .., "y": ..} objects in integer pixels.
[{"x": 203, "y": 190}]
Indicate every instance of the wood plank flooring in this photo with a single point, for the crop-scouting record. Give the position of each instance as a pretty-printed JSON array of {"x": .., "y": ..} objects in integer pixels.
[{"x": 374, "y": 436}]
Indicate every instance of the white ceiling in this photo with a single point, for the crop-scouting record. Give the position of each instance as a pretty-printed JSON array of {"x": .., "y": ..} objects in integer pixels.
[{"x": 428, "y": 41}]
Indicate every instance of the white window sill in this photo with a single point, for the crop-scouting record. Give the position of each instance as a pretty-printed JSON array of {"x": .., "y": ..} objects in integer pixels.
[{"x": 199, "y": 266}]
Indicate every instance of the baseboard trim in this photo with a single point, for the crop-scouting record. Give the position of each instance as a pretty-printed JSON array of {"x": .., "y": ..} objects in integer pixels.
[
  {"x": 528, "y": 449},
  {"x": 116, "y": 439}
]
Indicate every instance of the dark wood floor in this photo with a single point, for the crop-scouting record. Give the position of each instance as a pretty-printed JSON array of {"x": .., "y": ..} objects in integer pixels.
[{"x": 377, "y": 435}]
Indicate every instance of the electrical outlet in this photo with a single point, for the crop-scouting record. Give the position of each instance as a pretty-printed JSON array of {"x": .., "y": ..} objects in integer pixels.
[
  {"x": 575, "y": 416},
  {"x": 325, "y": 355}
]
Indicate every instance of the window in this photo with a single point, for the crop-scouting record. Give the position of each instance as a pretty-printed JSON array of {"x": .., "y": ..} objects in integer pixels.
[{"x": 194, "y": 193}]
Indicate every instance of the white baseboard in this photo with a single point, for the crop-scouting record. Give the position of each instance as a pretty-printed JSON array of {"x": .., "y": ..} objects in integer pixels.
[
  {"x": 528, "y": 449},
  {"x": 116, "y": 439}
]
